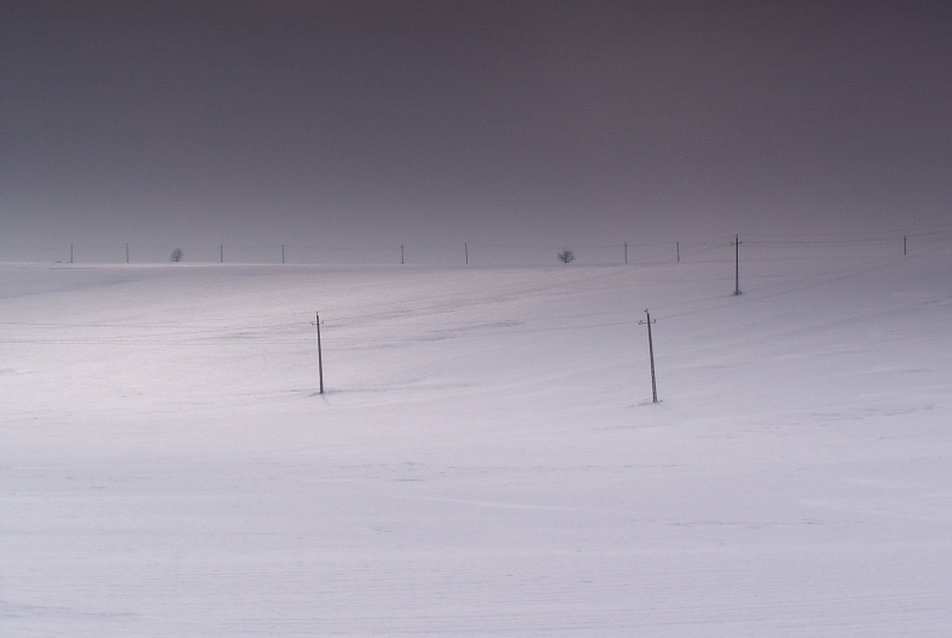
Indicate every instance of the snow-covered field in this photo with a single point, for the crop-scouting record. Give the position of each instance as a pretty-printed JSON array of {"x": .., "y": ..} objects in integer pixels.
[{"x": 486, "y": 460}]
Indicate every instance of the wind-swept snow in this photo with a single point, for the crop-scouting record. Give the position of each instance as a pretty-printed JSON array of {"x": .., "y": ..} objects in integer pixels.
[{"x": 486, "y": 460}]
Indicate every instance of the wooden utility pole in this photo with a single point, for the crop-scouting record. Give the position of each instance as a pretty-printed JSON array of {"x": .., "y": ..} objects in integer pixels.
[
  {"x": 626, "y": 252},
  {"x": 903, "y": 245},
  {"x": 402, "y": 255},
  {"x": 654, "y": 384},
  {"x": 677, "y": 250},
  {"x": 282, "y": 255},
  {"x": 320, "y": 353},
  {"x": 736, "y": 245},
  {"x": 221, "y": 253},
  {"x": 466, "y": 253}
]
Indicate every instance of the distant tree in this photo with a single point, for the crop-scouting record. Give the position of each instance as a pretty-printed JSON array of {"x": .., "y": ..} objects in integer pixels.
[
  {"x": 566, "y": 255},
  {"x": 177, "y": 255}
]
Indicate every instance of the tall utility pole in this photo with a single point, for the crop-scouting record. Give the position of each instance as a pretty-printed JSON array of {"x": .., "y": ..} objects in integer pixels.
[
  {"x": 654, "y": 384},
  {"x": 221, "y": 253},
  {"x": 402, "y": 255},
  {"x": 466, "y": 253},
  {"x": 736, "y": 245},
  {"x": 677, "y": 250},
  {"x": 626, "y": 252},
  {"x": 320, "y": 352},
  {"x": 904, "y": 246}
]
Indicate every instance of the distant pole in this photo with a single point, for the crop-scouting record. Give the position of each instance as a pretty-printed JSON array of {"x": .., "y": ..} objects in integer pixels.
[
  {"x": 402, "y": 255},
  {"x": 70, "y": 253},
  {"x": 654, "y": 384},
  {"x": 736, "y": 245},
  {"x": 466, "y": 253},
  {"x": 320, "y": 353},
  {"x": 677, "y": 249},
  {"x": 903, "y": 245},
  {"x": 221, "y": 253},
  {"x": 127, "y": 253},
  {"x": 626, "y": 252},
  {"x": 282, "y": 254}
]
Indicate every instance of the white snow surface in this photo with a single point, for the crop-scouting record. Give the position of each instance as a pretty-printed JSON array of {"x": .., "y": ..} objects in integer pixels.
[{"x": 486, "y": 460}]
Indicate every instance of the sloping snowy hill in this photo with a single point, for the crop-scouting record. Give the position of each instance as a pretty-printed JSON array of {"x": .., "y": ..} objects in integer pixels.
[{"x": 486, "y": 459}]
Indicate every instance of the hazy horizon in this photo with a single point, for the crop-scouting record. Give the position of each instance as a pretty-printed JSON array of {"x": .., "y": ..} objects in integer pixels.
[{"x": 364, "y": 124}]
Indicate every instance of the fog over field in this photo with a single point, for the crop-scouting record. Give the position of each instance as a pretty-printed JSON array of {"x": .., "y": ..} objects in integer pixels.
[{"x": 486, "y": 458}]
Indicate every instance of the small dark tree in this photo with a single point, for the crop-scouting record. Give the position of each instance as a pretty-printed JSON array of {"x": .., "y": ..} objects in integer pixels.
[
  {"x": 177, "y": 255},
  {"x": 566, "y": 255}
]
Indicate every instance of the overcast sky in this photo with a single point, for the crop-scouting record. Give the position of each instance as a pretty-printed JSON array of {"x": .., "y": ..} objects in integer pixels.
[{"x": 363, "y": 122}]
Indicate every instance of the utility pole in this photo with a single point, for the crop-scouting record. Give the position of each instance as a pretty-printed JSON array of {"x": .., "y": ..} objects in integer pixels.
[
  {"x": 903, "y": 245},
  {"x": 282, "y": 254},
  {"x": 677, "y": 250},
  {"x": 466, "y": 253},
  {"x": 626, "y": 252},
  {"x": 221, "y": 253},
  {"x": 654, "y": 384},
  {"x": 70, "y": 253},
  {"x": 127, "y": 253},
  {"x": 320, "y": 353},
  {"x": 402, "y": 255},
  {"x": 736, "y": 245}
]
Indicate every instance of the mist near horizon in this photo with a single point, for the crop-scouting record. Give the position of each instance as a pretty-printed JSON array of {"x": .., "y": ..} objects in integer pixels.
[{"x": 367, "y": 125}]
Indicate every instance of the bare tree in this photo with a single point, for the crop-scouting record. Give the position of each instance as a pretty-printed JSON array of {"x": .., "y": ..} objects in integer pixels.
[
  {"x": 177, "y": 255},
  {"x": 566, "y": 255}
]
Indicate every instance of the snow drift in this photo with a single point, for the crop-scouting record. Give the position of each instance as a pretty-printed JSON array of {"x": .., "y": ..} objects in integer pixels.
[{"x": 486, "y": 459}]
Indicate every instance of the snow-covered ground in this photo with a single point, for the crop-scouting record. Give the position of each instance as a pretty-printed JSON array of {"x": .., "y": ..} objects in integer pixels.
[{"x": 486, "y": 459}]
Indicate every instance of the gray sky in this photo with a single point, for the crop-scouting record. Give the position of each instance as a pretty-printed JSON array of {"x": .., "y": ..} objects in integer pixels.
[{"x": 367, "y": 122}]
